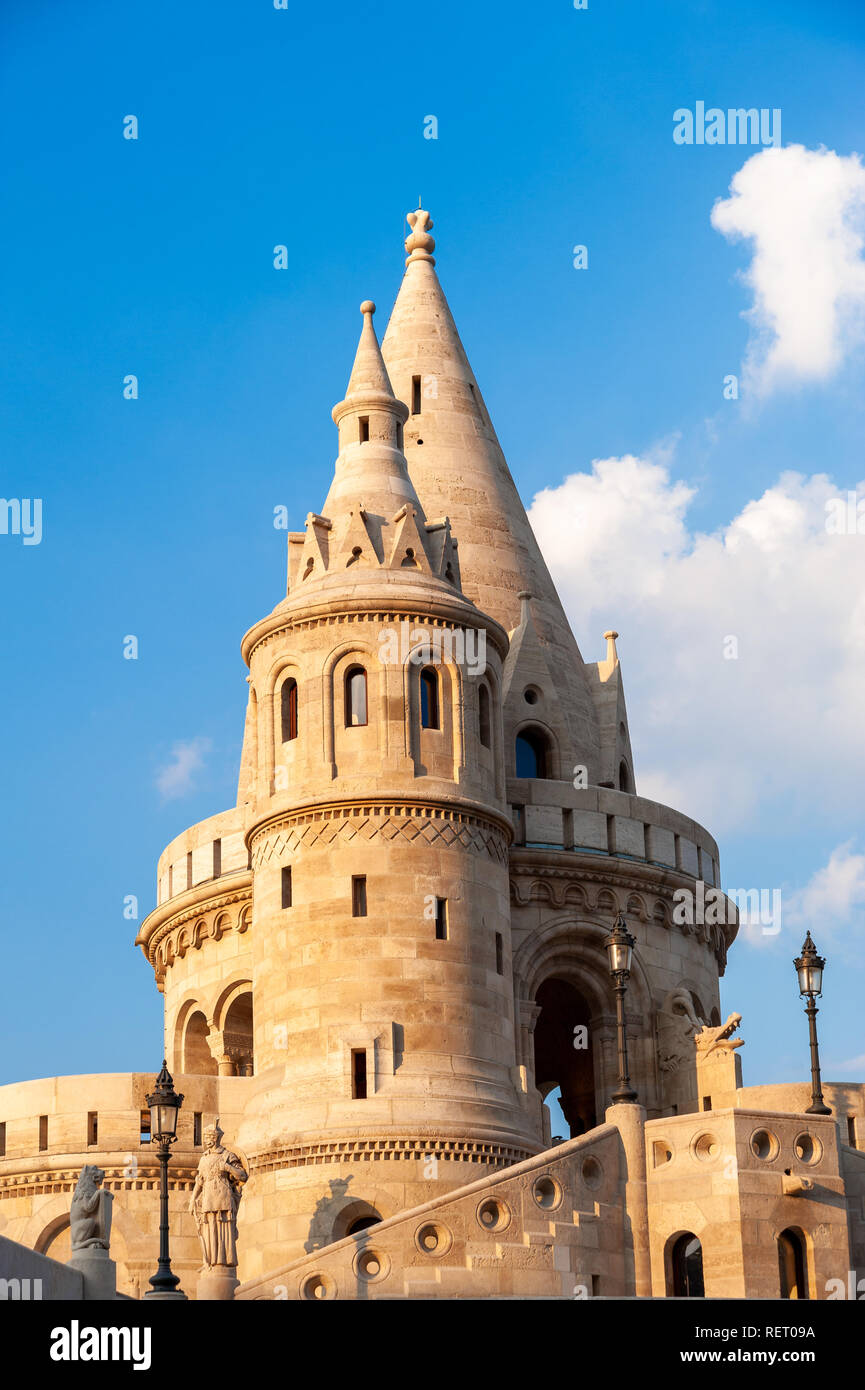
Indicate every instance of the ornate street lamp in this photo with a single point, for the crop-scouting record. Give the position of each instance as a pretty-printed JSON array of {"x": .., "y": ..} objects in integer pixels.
[
  {"x": 164, "y": 1105},
  {"x": 809, "y": 968},
  {"x": 620, "y": 944}
]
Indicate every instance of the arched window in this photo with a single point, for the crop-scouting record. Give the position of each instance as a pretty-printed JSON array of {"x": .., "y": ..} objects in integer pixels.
[
  {"x": 686, "y": 1259},
  {"x": 792, "y": 1264},
  {"x": 289, "y": 710},
  {"x": 429, "y": 698},
  {"x": 532, "y": 754},
  {"x": 624, "y": 777},
  {"x": 197, "y": 1056},
  {"x": 238, "y": 1034},
  {"x": 355, "y": 696},
  {"x": 484, "y": 716}
]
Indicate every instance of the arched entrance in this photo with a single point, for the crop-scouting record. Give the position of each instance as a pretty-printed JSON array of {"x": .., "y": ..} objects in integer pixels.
[
  {"x": 685, "y": 1267},
  {"x": 237, "y": 1034},
  {"x": 792, "y": 1264},
  {"x": 197, "y": 1057},
  {"x": 563, "y": 1052}
]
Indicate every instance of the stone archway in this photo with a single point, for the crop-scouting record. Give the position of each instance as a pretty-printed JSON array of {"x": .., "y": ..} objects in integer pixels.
[
  {"x": 197, "y": 1057},
  {"x": 572, "y": 952},
  {"x": 238, "y": 1034},
  {"x": 564, "y": 1053}
]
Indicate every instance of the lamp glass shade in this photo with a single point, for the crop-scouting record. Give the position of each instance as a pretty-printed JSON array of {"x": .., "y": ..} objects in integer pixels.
[
  {"x": 163, "y": 1120},
  {"x": 809, "y": 968},
  {"x": 810, "y": 974},
  {"x": 619, "y": 946}
]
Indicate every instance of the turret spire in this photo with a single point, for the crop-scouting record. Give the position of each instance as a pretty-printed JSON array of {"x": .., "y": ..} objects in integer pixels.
[
  {"x": 371, "y": 518},
  {"x": 456, "y": 463},
  {"x": 371, "y": 468},
  {"x": 369, "y": 378}
]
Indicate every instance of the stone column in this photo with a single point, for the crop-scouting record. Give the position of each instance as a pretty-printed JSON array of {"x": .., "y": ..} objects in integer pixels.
[{"x": 630, "y": 1120}]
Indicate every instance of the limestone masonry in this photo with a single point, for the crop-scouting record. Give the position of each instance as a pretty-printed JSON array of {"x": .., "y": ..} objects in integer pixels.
[{"x": 382, "y": 960}]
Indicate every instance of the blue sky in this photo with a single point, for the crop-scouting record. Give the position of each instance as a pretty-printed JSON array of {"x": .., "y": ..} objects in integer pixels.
[{"x": 260, "y": 127}]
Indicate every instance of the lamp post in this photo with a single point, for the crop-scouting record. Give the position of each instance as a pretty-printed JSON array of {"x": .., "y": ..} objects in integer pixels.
[
  {"x": 809, "y": 968},
  {"x": 164, "y": 1105},
  {"x": 620, "y": 944}
]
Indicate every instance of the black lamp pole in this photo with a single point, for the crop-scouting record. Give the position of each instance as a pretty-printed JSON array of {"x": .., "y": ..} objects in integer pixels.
[
  {"x": 620, "y": 944},
  {"x": 164, "y": 1106},
  {"x": 809, "y": 969}
]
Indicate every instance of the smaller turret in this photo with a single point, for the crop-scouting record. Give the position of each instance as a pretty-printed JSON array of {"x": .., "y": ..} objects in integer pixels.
[{"x": 372, "y": 516}]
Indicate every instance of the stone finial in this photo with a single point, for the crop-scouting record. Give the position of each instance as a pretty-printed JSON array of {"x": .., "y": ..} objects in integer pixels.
[
  {"x": 612, "y": 655},
  {"x": 367, "y": 307},
  {"x": 420, "y": 245}
]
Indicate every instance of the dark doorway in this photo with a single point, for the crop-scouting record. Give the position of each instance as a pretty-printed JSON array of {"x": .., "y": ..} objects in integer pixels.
[
  {"x": 558, "y": 1062},
  {"x": 792, "y": 1266},
  {"x": 362, "y": 1223},
  {"x": 687, "y": 1267}
]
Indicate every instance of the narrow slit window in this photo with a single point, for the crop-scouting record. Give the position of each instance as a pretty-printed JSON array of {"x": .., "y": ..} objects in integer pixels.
[
  {"x": 196, "y": 1129},
  {"x": 289, "y": 710},
  {"x": 189, "y": 869},
  {"x": 500, "y": 954},
  {"x": 484, "y": 716},
  {"x": 415, "y": 395},
  {"x": 286, "y": 886},
  {"x": 358, "y": 895},
  {"x": 3, "y": 1139},
  {"x": 358, "y": 1073},
  {"x": 92, "y": 1127},
  {"x": 441, "y": 919},
  {"x": 355, "y": 697},
  {"x": 43, "y": 1133},
  {"x": 363, "y": 422},
  {"x": 429, "y": 698},
  {"x": 145, "y": 1127},
  {"x": 851, "y": 1131},
  {"x": 399, "y": 435},
  {"x": 217, "y": 858}
]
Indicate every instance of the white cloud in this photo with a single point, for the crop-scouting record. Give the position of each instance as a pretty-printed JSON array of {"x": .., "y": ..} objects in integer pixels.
[
  {"x": 804, "y": 212},
  {"x": 833, "y": 900},
  {"x": 176, "y": 778},
  {"x": 775, "y": 731}
]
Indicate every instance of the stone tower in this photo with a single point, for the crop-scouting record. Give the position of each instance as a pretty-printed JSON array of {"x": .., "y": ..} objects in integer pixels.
[{"x": 396, "y": 934}]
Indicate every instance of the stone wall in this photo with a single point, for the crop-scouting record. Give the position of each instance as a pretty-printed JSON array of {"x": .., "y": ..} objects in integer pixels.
[{"x": 36, "y": 1186}]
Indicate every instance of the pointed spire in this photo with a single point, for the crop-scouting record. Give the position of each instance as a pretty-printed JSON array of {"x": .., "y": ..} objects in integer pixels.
[
  {"x": 369, "y": 374},
  {"x": 371, "y": 468},
  {"x": 457, "y": 465}
]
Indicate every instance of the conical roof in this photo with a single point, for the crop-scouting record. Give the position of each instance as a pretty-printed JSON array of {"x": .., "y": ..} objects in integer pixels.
[
  {"x": 459, "y": 470},
  {"x": 371, "y": 473}
]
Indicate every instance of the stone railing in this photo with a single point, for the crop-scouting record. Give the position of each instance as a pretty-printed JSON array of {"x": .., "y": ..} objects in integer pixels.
[{"x": 600, "y": 821}]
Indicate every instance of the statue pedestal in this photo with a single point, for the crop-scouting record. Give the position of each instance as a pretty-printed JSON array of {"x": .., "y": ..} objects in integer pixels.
[
  {"x": 217, "y": 1283},
  {"x": 99, "y": 1271}
]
